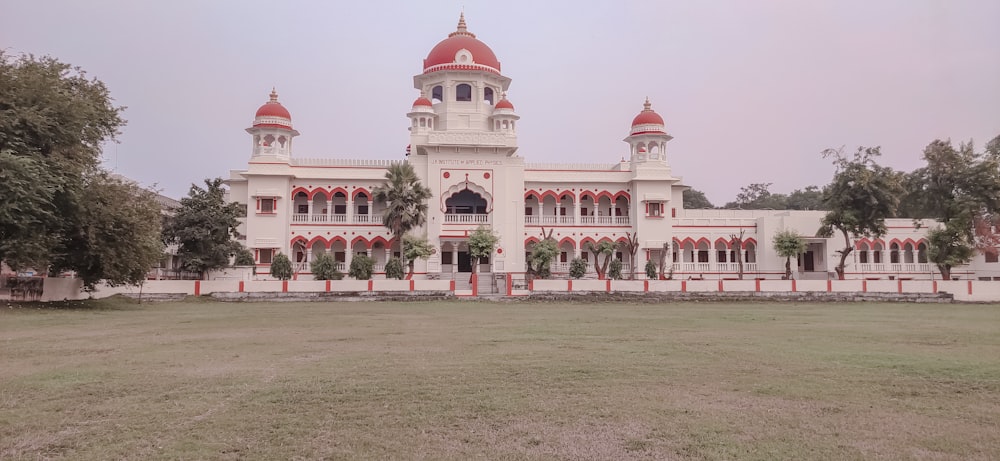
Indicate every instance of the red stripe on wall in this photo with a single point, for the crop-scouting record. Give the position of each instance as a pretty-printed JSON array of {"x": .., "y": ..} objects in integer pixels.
[
  {"x": 645, "y": 285},
  {"x": 327, "y": 285},
  {"x": 757, "y": 285},
  {"x": 934, "y": 286},
  {"x": 829, "y": 285},
  {"x": 609, "y": 286},
  {"x": 795, "y": 287},
  {"x": 970, "y": 287},
  {"x": 569, "y": 285}
]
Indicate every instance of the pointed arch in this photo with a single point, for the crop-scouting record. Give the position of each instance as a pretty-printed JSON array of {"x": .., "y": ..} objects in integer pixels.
[
  {"x": 863, "y": 240},
  {"x": 318, "y": 238},
  {"x": 298, "y": 238},
  {"x": 749, "y": 241},
  {"x": 621, "y": 193},
  {"x": 471, "y": 186},
  {"x": 585, "y": 241},
  {"x": 335, "y": 239},
  {"x": 362, "y": 239},
  {"x": 530, "y": 241},
  {"x": 378, "y": 239},
  {"x": 567, "y": 239},
  {"x": 361, "y": 190},
  {"x": 724, "y": 242},
  {"x": 335, "y": 190},
  {"x": 303, "y": 190}
]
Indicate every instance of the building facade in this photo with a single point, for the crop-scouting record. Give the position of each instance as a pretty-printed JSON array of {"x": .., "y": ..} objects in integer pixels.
[{"x": 463, "y": 146}]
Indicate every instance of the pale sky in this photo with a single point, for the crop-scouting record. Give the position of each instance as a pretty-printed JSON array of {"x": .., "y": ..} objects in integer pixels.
[{"x": 752, "y": 91}]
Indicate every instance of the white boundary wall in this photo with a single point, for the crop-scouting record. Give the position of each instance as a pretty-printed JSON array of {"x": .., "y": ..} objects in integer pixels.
[{"x": 56, "y": 289}]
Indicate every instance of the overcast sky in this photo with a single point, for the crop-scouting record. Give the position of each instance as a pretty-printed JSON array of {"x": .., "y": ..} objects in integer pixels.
[{"x": 752, "y": 91}]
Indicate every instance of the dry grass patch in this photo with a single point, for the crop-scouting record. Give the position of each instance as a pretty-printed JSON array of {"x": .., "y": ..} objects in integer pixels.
[{"x": 454, "y": 380}]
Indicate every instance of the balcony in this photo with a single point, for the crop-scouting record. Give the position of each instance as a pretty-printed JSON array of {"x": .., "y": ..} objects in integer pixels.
[
  {"x": 595, "y": 221},
  {"x": 466, "y": 219},
  {"x": 305, "y": 218}
]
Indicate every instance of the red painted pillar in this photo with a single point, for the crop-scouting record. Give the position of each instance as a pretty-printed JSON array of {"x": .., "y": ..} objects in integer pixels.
[
  {"x": 327, "y": 285},
  {"x": 241, "y": 286},
  {"x": 451, "y": 286},
  {"x": 757, "y": 285},
  {"x": 684, "y": 286},
  {"x": 284, "y": 286},
  {"x": 829, "y": 285},
  {"x": 510, "y": 284},
  {"x": 970, "y": 287},
  {"x": 864, "y": 286},
  {"x": 412, "y": 285},
  {"x": 795, "y": 287},
  {"x": 721, "y": 288},
  {"x": 197, "y": 287},
  {"x": 569, "y": 285},
  {"x": 645, "y": 286},
  {"x": 475, "y": 284},
  {"x": 899, "y": 286},
  {"x": 609, "y": 286},
  {"x": 371, "y": 285},
  {"x": 934, "y": 285}
]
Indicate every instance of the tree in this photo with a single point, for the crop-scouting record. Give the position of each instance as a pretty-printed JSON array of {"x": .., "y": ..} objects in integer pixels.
[
  {"x": 405, "y": 199},
  {"x": 53, "y": 122},
  {"x": 694, "y": 199},
  {"x": 394, "y": 269},
  {"x": 362, "y": 267},
  {"x": 578, "y": 268},
  {"x": 810, "y": 198},
  {"x": 281, "y": 267},
  {"x": 604, "y": 248},
  {"x": 961, "y": 189},
  {"x": 324, "y": 267},
  {"x": 204, "y": 227},
  {"x": 114, "y": 235},
  {"x": 482, "y": 242},
  {"x": 415, "y": 248},
  {"x": 736, "y": 241},
  {"x": 756, "y": 196},
  {"x": 860, "y": 198},
  {"x": 631, "y": 245},
  {"x": 788, "y": 244},
  {"x": 244, "y": 257},
  {"x": 540, "y": 259}
]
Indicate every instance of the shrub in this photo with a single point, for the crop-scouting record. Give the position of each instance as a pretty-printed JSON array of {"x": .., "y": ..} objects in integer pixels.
[
  {"x": 244, "y": 258},
  {"x": 324, "y": 267},
  {"x": 394, "y": 269},
  {"x": 650, "y": 270},
  {"x": 361, "y": 267},
  {"x": 281, "y": 267},
  {"x": 578, "y": 268},
  {"x": 615, "y": 270}
]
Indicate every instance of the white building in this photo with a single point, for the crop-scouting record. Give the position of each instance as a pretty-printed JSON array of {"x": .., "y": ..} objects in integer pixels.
[{"x": 464, "y": 147}]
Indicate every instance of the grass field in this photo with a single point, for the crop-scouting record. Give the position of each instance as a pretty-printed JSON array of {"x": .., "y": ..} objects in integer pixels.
[{"x": 461, "y": 380}]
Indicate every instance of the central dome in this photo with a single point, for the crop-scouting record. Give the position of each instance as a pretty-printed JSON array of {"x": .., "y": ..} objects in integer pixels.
[{"x": 461, "y": 51}]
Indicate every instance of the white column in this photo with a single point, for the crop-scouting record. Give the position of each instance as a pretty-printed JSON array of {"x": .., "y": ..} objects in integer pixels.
[
  {"x": 350, "y": 211},
  {"x": 576, "y": 212}
]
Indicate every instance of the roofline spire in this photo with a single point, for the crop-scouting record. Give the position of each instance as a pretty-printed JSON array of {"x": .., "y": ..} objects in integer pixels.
[{"x": 462, "y": 29}]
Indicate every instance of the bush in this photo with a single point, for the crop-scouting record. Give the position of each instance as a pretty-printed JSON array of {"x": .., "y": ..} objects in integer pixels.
[
  {"x": 244, "y": 258},
  {"x": 578, "y": 268},
  {"x": 281, "y": 267},
  {"x": 324, "y": 267},
  {"x": 650, "y": 270},
  {"x": 361, "y": 267},
  {"x": 615, "y": 270},
  {"x": 394, "y": 269}
]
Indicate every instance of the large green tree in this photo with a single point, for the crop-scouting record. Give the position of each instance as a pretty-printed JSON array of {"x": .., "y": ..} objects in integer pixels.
[
  {"x": 788, "y": 244},
  {"x": 205, "y": 228},
  {"x": 482, "y": 242},
  {"x": 860, "y": 198},
  {"x": 114, "y": 236},
  {"x": 59, "y": 210},
  {"x": 415, "y": 248},
  {"x": 961, "y": 188},
  {"x": 695, "y": 199},
  {"x": 405, "y": 200}
]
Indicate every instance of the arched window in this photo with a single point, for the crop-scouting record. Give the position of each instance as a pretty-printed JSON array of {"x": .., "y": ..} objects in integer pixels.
[
  {"x": 465, "y": 202},
  {"x": 488, "y": 95},
  {"x": 894, "y": 253},
  {"x": 863, "y": 253},
  {"x": 908, "y": 253},
  {"x": 437, "y": 94},
  {"x": 922, "y": 253},
  {"x": 423, "y": 122},
  {"x": 463, "y": 92}
]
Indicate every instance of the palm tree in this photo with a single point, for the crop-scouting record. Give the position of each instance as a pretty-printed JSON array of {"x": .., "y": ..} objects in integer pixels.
[
  {"x": 788, "y": 244},
  {"x": 405, "y": 199}
]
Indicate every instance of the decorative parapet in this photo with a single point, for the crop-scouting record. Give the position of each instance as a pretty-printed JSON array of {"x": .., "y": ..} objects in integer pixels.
[
  {"x": 574, "y": 166},
  {"x": 469, "y": 137},
  {"x": 374, "y": 163}
]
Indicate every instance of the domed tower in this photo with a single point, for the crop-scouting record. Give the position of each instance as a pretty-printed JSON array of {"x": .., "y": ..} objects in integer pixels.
[
  {"x": 648, "y": 138},
  {"x": 272, "y": 131},
  {"x": 460, "y": 98}
]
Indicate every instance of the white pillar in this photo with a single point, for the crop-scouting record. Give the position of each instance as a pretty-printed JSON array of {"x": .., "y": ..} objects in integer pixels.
[{"x": 350, "y": 211}]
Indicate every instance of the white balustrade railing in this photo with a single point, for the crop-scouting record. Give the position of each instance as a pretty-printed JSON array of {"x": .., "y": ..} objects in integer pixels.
[
  {"x": 622, "y": 221},
  {"x": 363, "y": 218},
  {"x": 300, "y": 217},
  {"x": 467, "y": 218},
  {"x": 568, "y": 220},
  {"x": 378, "y": 268},
  {"x": 301, "y": 267},
  {"x": 319, "y": 218},
  {"x": 338, "y": 218}
]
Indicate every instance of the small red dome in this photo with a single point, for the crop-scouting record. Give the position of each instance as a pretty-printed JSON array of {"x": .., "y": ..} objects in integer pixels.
[
  {"x": 272, "y": 110},
  {"x": 504, "y": 104},
  {"x": 641, "y": 123},
  {"x": 422, "y": 101},
  {"x": 447, "y": 54}
]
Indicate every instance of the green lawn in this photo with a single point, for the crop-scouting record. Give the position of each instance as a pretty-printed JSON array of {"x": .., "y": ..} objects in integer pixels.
[{"x": 464, "y": 380}]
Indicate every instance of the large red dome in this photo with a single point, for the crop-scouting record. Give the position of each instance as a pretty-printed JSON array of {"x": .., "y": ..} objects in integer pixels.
[
  {"x": 648, "y": 121},
  {"x": 449, "y": 55},
  {"x": 272, "y": 113}
]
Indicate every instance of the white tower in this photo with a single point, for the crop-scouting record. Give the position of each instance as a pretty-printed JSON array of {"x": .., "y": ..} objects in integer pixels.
[
  {"x": 648, "y": 138},
  {"x": 272, "y": 131}
]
